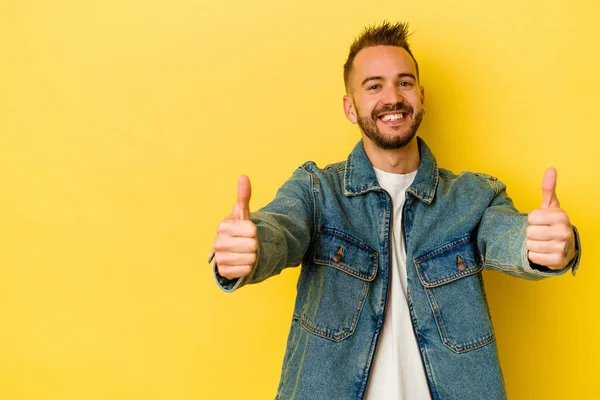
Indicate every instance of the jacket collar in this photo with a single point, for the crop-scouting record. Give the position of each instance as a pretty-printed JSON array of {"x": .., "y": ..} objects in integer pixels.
[{"x": 360, "y": 178}]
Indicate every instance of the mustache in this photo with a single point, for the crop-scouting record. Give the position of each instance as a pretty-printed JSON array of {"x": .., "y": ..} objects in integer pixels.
[{"x": 386, "y": 108}]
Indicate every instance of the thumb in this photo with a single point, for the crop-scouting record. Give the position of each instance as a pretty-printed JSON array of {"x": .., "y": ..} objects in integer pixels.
[
  {"x": 243, "y": 197},
  {"x": 549, "y": 199}
]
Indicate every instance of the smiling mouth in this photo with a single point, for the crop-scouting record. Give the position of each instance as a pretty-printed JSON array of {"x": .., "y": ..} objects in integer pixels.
[{"x": 393, "y": 118}]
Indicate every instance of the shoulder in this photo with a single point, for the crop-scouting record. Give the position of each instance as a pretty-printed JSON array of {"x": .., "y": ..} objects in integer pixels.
[
  {"x": 469, "y": 180},
  {"x": 331, "y": 177},
  {"x": 312, "y": 167},
  {"x": 329, "y": 172}
]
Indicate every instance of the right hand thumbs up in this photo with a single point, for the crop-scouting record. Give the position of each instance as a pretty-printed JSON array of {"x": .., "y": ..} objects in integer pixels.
[{"x": 236, "y": 242}]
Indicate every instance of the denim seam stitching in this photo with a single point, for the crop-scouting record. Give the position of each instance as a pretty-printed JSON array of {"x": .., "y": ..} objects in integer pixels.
[
  {"x": 490, "y": 262},
  {"x": 487, "y": 304},
  {"x": 345, "y": 332},
  {"x": 344, "y": 268},
  {"x": 373, "y": 256},
  {"x": 422, "y": 348},
  {"x": 443, "y": 248},
  {"x": 442, "y": 281},
  {"x": 446, "y": 340},
  {"x": 351, "y": 239}
]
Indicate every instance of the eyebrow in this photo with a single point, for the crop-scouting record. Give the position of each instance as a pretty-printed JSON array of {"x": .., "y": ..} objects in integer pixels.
[{"x": 380, "y": 78}]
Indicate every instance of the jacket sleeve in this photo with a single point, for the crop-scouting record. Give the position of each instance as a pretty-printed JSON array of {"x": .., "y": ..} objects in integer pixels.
[
  {"x": 501, "y": 239},
  {"x": 285, "y": 228}
]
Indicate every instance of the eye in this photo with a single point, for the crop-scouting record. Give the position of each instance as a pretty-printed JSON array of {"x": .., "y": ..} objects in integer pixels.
[
  {"x": 405, "y": 84},
  {"x": 374, "y": 87}
]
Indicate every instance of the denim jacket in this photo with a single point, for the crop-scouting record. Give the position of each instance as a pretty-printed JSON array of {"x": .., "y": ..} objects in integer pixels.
[{"x": 337, "y": 223}]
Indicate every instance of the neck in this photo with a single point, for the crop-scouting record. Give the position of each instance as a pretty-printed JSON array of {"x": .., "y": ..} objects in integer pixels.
[{"x": 397, "y": 161}]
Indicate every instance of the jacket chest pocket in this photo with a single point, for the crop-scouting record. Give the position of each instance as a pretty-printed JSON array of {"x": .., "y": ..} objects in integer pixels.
[
  {"x": 452, "y": 279},
  {"x": 336, "y": 284}
]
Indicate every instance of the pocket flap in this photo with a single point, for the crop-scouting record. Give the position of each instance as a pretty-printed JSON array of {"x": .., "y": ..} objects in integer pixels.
[
  {"x": 447, "y": 263},
  {"x": 347, "y": 254}
]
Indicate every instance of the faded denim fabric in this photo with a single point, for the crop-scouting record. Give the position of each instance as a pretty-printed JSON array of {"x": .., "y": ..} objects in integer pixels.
[{"x": 336, "y": 222}]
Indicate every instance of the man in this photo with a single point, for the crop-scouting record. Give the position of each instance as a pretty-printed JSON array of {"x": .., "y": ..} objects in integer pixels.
[{"x": 391, "y": 303}]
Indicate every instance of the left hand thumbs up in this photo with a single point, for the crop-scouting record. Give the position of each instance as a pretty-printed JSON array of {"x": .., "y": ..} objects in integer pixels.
[{"x": 550, "y": 238}]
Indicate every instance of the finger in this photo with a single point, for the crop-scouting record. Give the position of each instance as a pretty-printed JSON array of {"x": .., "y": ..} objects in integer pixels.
[
  {"x": 545, "y": 247},
  {"x": 243, "y": 197},
  {"x": 552, "y": 261},
  {"x": 230, "y": 272},
  {"x": 548, "y": 216},
  {"x": 235, "y": 259},
  {"x": 237, "y": 228},
  {"x": 554, "y": 232},
  {"x": 549, "y": 199},
  {"x": 539, "y": 232},
  {"x": 236, "y": 244}
]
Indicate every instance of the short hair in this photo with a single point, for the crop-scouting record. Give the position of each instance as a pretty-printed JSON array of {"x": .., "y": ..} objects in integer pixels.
[{"x": 386, "y": 34}]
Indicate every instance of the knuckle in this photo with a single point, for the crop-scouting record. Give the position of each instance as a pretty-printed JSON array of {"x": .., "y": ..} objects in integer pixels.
[
  {"x": 556, "y": 260},
  {"x": 529, "y": 231},
  {"x": 223, "y": 271},
  {"x": 566, "y": 234},
  {"x": 222, "y": 227},
  {"x": 563, "y": 217},
  {"x": 220, "y": 259},
  {"x": 253, "y": 229},
  {"x": 561, "y": 234},
  {"x": 534, "y": 258}
]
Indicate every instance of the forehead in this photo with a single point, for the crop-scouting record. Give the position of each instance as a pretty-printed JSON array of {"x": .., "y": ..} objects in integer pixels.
[{"x": 382, "y": 61}]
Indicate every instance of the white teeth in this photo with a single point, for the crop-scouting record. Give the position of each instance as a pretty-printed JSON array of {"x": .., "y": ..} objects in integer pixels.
[{"x": 392, "y": 117}]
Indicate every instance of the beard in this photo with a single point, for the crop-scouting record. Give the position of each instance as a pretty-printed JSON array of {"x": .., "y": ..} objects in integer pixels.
[{"x": 368, "y": 124}]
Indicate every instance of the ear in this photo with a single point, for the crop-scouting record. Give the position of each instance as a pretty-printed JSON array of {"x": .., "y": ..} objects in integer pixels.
[
  {"x": 349, "y": 109},
  {"x": 422, "y": 95}
]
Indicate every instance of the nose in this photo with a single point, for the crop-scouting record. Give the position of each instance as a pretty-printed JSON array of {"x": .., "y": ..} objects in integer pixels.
[{"x": 392, "y": 96}]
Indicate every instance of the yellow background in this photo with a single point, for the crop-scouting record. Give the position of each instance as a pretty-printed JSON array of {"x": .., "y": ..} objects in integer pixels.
[{"x": 123, "y": 128}]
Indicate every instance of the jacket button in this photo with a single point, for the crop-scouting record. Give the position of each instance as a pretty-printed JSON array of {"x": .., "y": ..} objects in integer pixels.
[
  {"x": 461, "y": 264},
  {"x": 338, "y": 257}
]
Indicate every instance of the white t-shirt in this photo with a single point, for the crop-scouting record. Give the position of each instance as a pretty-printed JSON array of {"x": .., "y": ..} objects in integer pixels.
[{"x": 397, "y": 371}]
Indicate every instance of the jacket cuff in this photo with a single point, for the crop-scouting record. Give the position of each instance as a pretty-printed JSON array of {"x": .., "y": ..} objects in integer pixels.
[
  {"x": 227, "y": 285},
  {"x": 543, "y": 271},
  {"x": 574, "y": 264}
]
